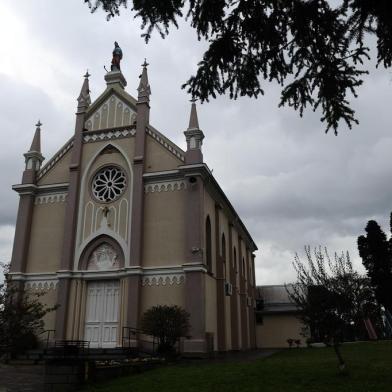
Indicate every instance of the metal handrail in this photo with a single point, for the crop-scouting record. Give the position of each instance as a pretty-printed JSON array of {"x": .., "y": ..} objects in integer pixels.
[
  {"x": 48, "y": 332},
  {"x": 129, "y": 332}
]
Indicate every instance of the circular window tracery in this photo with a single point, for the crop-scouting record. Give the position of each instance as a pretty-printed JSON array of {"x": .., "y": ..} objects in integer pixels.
[{"x": 109, "y": 184}]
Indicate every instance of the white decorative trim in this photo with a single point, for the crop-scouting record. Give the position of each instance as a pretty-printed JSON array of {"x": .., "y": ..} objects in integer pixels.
[
  {"x": 100, "y": 135},
  {"x": 165, "y": 186},
  {"x": 166, "y": 143},
  {"x": 124, "y": 242},
  {"x": 41, "y": 285},
  {"x": 163, "y": 280},
  {"x": 56, "y": 157},
  {"x": 51, "y": 198}
]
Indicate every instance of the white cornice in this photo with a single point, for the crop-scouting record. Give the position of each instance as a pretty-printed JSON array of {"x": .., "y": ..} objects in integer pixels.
[
  {"x": 51, "y": 198},
  {"x": 150, "y": 272},
  {"x": 108, "y": 134},
  {"x": 165, "y": 186},
  {"x": 163, "y": 280}
]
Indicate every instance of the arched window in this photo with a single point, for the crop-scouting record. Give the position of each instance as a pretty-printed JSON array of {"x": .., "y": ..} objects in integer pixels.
[
  {"x": 243, "y": 267},
  {"x": 235, "y": 260},
  {"x": 224, "y": 254},
  {"x": 223, "y": 247},
  {"x": 208, "y": 244}
]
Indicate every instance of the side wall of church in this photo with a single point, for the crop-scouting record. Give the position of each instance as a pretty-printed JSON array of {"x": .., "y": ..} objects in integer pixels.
[
  {"x": 242, "y": 261},
  {"x": 224, "y": 231},
  {"x": 210, "y": 287}
]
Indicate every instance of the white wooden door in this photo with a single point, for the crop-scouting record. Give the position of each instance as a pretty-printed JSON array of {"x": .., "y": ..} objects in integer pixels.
[{"x": 102, "y": 309}]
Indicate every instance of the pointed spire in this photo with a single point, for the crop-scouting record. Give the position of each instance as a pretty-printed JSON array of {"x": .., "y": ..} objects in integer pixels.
[
  {"x": 36, "y": 143},
  {"x": 193, "y": 120},
  {"x": 194, "y": 138},
  {"x": 84, "y": 99},
  {"x": 33, "y": 157},
  {"x": 144, "y": 90}
]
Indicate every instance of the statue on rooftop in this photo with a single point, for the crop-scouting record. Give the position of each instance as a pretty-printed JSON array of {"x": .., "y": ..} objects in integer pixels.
[{"x": 117, "y": 56}]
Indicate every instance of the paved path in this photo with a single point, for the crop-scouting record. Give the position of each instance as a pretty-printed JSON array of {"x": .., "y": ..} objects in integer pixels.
[{"x": 21, "y": 378}]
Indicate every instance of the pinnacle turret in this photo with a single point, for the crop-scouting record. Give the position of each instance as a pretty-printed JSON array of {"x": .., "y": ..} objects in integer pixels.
[
  {"x": 84, "y": 99},
  {"x": 193, "y": 120},
  {"x": 36, "y": 143},
  {"x": 144, "y": 90},
  {"x": 194, "y": 138},
  {"x": 33, "y": 157}
]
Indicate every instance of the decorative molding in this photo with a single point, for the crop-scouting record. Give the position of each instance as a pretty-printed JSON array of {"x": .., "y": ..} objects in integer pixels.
[
  {"x": 97, "y": 136},
  {"x": 165, "y": 186},
  {"x": 51, "y": 198},
  {"x": 163, "y": 280},
  {"x": 56, "y": 157},
  {"x": 166, "y": 143},
  {"x": 41, "y": 285},
  {"x": 108, "y": 112},
  {"x": 103, "y": 258}
]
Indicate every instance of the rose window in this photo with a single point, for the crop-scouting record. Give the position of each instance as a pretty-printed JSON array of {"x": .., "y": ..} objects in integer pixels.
[{"x": 109, "y": 184}]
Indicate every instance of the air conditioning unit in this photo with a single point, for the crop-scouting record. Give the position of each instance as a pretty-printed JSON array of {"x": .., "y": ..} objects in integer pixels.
[{"x": 228, "y": 288}]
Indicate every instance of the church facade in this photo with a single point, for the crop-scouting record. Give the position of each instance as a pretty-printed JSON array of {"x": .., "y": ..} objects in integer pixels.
[{"x": 121, "y": 219}]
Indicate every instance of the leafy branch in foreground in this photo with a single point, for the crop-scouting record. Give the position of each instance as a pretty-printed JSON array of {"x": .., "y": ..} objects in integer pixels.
[
  {"x": 312, "y": 48},
  {"x": 21, "y": 316}
]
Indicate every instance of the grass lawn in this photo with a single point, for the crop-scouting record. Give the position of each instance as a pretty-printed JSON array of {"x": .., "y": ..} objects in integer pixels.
[{"x": 369, "y": 364}]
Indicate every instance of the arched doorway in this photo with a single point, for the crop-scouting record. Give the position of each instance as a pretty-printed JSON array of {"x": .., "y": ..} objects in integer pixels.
[{"x": 103, "y": 295}]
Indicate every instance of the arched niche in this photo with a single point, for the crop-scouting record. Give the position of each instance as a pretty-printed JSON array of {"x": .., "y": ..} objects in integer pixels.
[{"x": 102, "y": 254}]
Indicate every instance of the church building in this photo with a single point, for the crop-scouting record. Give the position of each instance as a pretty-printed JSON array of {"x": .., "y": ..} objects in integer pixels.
[{"x": 121, "y": 219}]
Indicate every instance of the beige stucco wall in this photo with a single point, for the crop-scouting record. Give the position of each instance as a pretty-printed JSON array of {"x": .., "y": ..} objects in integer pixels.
[
  {"x": 169, "y": 294},
  {"x": 59, "y": 173},
  {"x": 46, "y": 239},
  {"x": 158, "y": 158},
  {"x": 276, "y": 329},
  {"x": 211, "y": 321},
  {"x": 164, "y": 228}
]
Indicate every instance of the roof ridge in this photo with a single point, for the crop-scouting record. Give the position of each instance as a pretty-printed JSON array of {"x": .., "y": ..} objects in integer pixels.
[
  {"x": 166, "y": 142},
  {"x": 55, "y": 158}
]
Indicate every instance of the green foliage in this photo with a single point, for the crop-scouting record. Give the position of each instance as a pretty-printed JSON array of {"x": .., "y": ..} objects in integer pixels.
[
  {"x": 376, "y": 253},
  {"x": 167, "y": 323},
  {"x": 20, "y": 317},
  {"x": 314, "y": 49}
]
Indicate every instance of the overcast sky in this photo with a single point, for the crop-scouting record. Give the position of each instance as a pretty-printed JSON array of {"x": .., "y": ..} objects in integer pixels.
[{"x": 291, "y": 183}]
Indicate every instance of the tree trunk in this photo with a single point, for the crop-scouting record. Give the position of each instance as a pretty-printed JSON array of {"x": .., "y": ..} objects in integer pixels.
[{"x": 342, "y": 363}]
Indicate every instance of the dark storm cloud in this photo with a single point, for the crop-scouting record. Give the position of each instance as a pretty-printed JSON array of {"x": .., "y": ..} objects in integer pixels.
[{"x": 292, "y": 184}]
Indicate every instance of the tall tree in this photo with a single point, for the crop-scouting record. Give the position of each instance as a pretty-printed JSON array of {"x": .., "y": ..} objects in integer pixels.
[
  {"x": 333, "y": 299},
  {"x": 314, "y": 49},
  {"x": 376, "y": 253}
]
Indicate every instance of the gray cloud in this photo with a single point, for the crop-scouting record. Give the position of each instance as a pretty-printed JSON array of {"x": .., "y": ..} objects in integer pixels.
[{"x": 292, "y": 184}]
